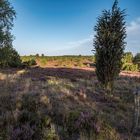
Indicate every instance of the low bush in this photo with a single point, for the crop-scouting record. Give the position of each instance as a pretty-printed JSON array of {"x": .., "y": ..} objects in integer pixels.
[
  {"x": 9, "y": 57},
  {"x": 130, "y": 67},
  {"x": 30, "y": 62}
]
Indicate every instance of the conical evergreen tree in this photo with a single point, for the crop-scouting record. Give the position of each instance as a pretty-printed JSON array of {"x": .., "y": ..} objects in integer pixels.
[{"x": 109, "y": 44}]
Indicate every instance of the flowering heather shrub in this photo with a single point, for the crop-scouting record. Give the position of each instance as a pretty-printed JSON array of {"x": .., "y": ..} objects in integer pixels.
[
  {"x": 87, "y": 122},
  {"x": 70, "y": 122},
  {"x": 26, "y": 116},
  {"x": 32, "y": 106},
  {"x": 30, "y": 102},
  {"x": 31, "y": 125},
  {"x": 24, "y": 132}
]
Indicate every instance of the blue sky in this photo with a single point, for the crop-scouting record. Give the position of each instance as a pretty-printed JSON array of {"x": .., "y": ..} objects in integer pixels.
[{"x": 65, "y": 27}]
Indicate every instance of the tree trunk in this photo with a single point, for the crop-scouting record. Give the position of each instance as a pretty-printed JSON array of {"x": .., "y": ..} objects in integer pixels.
[{"x": 109, "y": 88}]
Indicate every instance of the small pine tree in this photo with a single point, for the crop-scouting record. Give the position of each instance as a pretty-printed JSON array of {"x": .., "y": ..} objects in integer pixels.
[
  {"x": 37, "y": 55},
  {"x": 109, "y": 45},
  {"x": 42, "y": 55}
]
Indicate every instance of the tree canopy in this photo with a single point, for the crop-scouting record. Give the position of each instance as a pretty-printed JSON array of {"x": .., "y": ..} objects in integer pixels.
[{"x": 8, "y": 55}]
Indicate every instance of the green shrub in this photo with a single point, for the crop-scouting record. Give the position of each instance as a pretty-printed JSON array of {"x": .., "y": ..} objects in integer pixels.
[
  {"x": 136, "y": 60},
  {"x": 127, "y": 58},
  {"x": 130, "y": 63},
  {"x": 31, "y": 62},
  {"x": 130, "y": 67},
  {"x": 9, "y": 57}
]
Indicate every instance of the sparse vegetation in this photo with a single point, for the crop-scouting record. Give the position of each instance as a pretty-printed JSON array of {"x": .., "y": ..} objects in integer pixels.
[
  {"x": 61, "y": 61},
  {"x": 128, "y": 63},
  {"x": 63, "y": 103}
]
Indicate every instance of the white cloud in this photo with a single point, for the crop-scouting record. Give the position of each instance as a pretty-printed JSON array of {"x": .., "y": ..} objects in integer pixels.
[
  {"x": 133, "y": 40},
  {"x": 134, "y": 27},
  {"x": 80, "y": 47},
  {"x": 84, "y": 46},
  {"x": 80, "y": 42}
]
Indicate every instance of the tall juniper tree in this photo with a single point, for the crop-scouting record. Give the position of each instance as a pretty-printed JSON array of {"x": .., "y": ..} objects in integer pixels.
[
  {"x": 8, "y": 55},
  {"x": 109, "y": 44}
]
